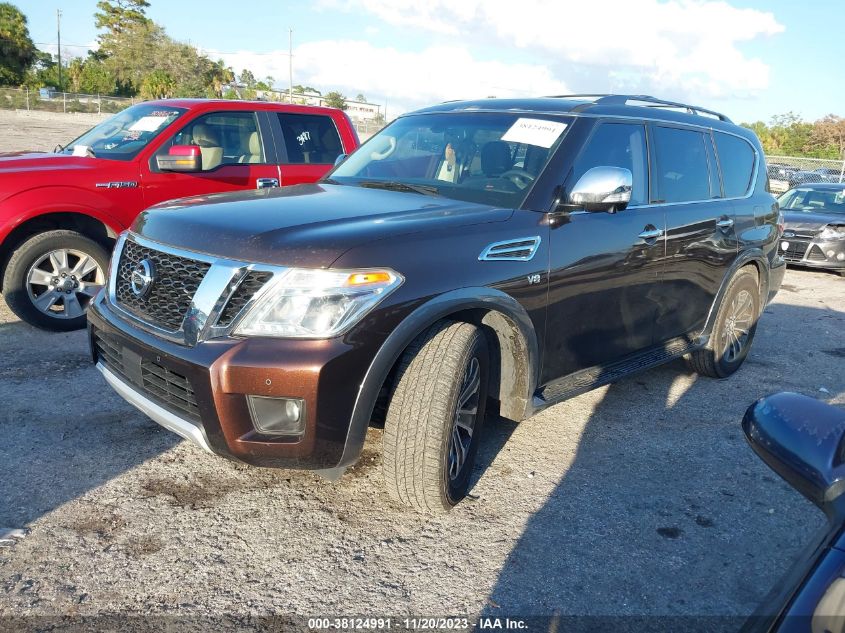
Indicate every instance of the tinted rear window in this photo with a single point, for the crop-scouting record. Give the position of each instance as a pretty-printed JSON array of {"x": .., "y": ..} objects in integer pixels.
[
  {"x": 682, "y": 172},
  {"x": 310, "y": 138},
  {"x": 737, "y": 160}
]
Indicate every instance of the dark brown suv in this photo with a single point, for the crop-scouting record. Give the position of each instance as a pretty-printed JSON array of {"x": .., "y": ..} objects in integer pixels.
[{"x": 516, "y": 252}]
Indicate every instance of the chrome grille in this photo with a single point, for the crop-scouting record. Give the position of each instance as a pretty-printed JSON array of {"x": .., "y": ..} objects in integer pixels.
[
  {"x": 176, "y": 282},
  {"x": 251, "y": 284}
]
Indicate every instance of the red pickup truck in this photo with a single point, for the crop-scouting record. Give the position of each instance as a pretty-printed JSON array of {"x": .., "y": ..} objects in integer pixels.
[{"x": 60, "y": 212}]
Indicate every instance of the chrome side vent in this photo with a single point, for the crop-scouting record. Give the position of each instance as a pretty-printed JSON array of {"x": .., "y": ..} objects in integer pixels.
[{"x": 520, "y": 250}]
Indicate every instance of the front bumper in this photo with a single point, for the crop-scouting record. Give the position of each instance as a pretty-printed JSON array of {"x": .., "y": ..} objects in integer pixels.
[
  {"x": 802, "y": 250},
  {"x": 201, "y": 392}
]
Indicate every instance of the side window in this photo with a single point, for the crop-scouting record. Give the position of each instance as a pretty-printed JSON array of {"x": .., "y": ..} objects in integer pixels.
[
  {"x": 737, "y": 160},
  {"x": 224, "y": 138},
  {"x": 617, "y": 145},
  {"x": 310, "y": 138},
  {"x": 682, "y": 173}
]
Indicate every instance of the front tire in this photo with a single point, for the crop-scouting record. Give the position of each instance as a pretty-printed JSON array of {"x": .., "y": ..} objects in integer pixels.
[
  {"x": 435, "y": 415},
  {"x": 733, "y": 332},
  {"x": 52, "y": 277}
]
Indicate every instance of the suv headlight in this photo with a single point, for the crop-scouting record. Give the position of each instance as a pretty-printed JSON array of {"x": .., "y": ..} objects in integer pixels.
[
  {"x": 832, "y": 233},
  {"x": 305, "y": 303}
]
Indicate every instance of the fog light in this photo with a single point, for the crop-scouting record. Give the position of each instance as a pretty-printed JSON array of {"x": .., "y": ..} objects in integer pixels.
[
  {"x": 841, "y": 257},
  {"x": 831, "y": 254},
  {"x": 277, "y": 416}
]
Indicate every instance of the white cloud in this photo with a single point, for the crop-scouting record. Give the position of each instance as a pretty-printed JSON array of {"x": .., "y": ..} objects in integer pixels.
[
  {"x": 691, "y": 45},
  {"x": 406, "y": 79},
  {"x": 683, "y": 49}
]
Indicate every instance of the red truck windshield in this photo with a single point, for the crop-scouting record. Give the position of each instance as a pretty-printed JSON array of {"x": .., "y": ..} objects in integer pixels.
[{"x": 125, "y": 134}]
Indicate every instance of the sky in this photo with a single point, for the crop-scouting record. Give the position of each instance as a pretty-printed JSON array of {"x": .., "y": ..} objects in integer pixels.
[{"x": 750, "y": 59}]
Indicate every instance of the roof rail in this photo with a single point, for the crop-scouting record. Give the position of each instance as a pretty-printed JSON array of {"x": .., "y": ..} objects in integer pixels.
[{"x": 647, "y": 100}]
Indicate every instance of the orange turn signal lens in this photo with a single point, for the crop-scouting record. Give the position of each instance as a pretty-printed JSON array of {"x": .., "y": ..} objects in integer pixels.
[{"x": 376, "y": 277}]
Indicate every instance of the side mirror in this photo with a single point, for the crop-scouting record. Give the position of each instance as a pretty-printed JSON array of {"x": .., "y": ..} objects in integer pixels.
[
  {"x": 340, "y": 158},
  {"x": 601, "y": 189},
  {"x": 187, "y": 158},
  {"x": 801, "y": 439}
]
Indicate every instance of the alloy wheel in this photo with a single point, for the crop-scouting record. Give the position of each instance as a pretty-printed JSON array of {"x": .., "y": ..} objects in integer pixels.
[
  {"x": 466, "y": 414},
  {"x": 738, "y": 323},
  {"x": 62, "y": 282}
]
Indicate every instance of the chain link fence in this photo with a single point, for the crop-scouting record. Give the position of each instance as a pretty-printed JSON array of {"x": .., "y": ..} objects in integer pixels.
[
  {"x": 786, "y": 172},
  {"x": 48, "y": 100}
]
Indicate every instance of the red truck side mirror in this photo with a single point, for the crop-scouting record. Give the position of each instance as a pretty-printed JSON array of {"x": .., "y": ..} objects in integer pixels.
[{"x": 181, "y": 158}]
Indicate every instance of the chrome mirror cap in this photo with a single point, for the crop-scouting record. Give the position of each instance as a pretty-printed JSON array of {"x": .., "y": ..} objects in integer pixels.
[{"x": 602, "y": 189}]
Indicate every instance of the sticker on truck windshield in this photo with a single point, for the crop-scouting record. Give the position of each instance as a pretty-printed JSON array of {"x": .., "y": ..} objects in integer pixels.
[
  {"x": 148, "y": 123},
  {"x": 537, "y": 132}
]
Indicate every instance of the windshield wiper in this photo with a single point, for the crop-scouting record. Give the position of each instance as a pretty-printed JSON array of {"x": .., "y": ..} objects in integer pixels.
[{"x": 393, "y": 185}]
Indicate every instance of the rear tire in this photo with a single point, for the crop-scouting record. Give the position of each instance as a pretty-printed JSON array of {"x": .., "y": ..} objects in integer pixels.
[
  {"x": 733, "y": 332},
  {"x": 52, "y": 277},
  {"x": 435, "y": 415}
]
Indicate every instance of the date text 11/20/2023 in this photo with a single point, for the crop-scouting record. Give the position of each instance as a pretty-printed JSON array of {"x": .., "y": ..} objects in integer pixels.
[{"x": 416, "y": 624}]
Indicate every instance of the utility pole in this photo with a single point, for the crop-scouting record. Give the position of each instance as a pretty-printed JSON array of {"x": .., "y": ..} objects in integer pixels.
[
  {"x": 59, "y": 37},
  {"x": 290, "y": 64}
]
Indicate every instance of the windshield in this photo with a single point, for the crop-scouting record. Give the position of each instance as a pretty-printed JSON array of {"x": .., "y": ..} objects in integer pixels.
[
  {"x": 490, "y": 158},
  {"x": 814, "y": 200},
  {"x": 125, "y": 134}
]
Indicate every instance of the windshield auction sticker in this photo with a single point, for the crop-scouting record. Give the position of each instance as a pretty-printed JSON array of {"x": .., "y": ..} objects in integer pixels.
[
  {"x": 537, "y": 132},
  {"x": 148, "y": 123}
]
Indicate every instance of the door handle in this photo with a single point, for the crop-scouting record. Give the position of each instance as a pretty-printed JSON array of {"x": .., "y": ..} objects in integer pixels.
[
  {"x": 725, "y": 223},
  {"x": 266, "y": 183},
  {"x": 651, "y": 234}
]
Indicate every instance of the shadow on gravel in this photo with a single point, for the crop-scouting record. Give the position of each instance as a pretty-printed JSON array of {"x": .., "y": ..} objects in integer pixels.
[
  {"x": 64, "y": 431},
  {"x": 667, "y": 445}
]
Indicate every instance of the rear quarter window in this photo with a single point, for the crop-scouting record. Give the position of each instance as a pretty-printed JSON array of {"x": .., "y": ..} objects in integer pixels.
[
  {"x": 310, "y": 138},
  {"x": 736, "y": 158}
]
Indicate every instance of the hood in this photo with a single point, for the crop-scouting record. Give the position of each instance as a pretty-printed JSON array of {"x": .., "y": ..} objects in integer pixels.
[
  {"x": 304, "y": 225},
  {"x": 17, "y": 162},
  {"x": 812, "y": 220}
]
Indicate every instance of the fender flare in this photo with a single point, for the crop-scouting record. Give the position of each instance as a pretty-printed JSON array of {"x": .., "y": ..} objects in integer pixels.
[
  {"x": 751, "y": 256},
  {"x": 422, "y": 317}
]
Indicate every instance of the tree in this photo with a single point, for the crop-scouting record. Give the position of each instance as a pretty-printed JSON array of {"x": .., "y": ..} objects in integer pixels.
[
  {"x": 17, "y": 52},
  {"x": 247, "y": 78},
  {"x": 361, "y": 98},
  {"x": 219, "y": 76},
  {"x": 334, "y": 99},
  {"x": 828, "y": 136},
  {"x": 119, "y": 16},
  {"x": 96, "y": 78},
  {"x": 303, "y": 89},
  {"x": 158, "y": 85}
]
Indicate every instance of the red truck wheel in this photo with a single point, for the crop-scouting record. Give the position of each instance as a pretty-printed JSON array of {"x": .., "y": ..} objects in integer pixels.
[{"x": 52, "y": 277}]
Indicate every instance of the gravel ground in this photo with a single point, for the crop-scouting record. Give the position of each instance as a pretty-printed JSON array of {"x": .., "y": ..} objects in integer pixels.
[
  {"x": 641, "y": 498},
  {"x": 41, "y": 131},
  {"x": 638, "y": 498}
]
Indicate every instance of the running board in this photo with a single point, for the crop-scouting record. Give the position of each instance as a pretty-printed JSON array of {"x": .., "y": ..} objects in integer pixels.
[{"x": 592, "y": 377}]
